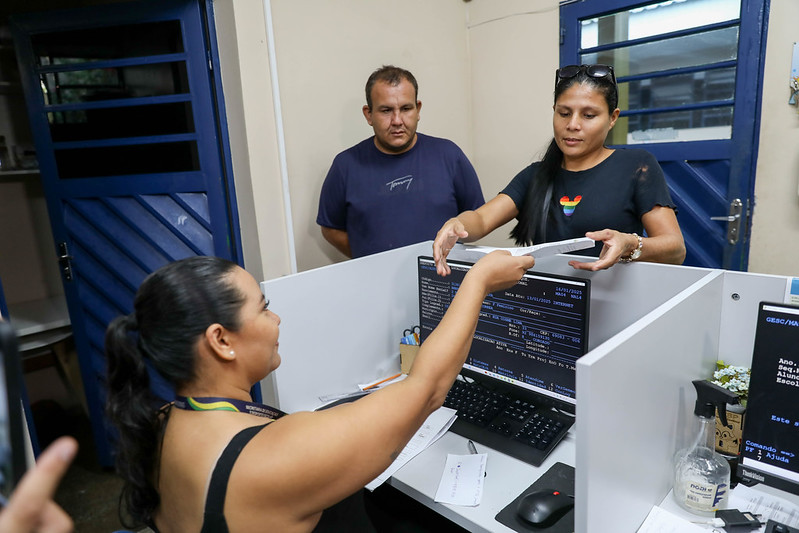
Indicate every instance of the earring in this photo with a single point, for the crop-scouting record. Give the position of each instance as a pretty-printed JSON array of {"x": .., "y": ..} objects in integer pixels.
[{"x": 232, "y": 352}]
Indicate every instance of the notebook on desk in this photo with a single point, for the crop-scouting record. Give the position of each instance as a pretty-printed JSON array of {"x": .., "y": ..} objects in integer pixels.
[{"x": 516, "y": 392}]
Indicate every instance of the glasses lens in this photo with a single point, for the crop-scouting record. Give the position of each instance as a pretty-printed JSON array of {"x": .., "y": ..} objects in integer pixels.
[
  {"x": 569, "y": 71},
  {"x": 598, "y": 71}
]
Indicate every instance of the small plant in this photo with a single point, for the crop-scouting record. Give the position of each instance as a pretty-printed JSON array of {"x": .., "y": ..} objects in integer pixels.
[{"x": 733, "y": 378}]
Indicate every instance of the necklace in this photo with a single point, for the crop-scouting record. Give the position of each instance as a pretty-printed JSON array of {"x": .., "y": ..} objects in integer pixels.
[{"x": 210, "y": 403}]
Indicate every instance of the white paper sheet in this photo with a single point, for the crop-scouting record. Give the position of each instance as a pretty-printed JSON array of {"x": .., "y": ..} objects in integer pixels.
[
  {"x": 469, "y": 252},
  {"x": 462, "y": 480},
  {"x": 433, "y": 429},
  {"x": 766, "y": 505},
  {"x": 662, "y": 521}
]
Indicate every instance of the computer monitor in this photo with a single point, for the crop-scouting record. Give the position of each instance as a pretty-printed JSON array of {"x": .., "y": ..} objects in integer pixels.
[
  {"x": 528, "y": 336},
  {"x": 770, "y": 442}
]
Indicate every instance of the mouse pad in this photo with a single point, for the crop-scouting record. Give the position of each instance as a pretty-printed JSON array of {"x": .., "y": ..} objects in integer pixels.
[{"x": 559, "y": 477}]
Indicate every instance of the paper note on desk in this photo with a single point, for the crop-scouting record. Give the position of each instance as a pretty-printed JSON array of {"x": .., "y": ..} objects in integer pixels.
[
  {"x": 433, "y": 429},
  {"x": 662, "y": 521},
  {"x": 766, "y": 505},
  {"x": 462, "y": 481},
  {"x": 473, "y": 253}
]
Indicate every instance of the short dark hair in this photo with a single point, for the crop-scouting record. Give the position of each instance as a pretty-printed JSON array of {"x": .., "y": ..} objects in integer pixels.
[{"x": 391, "y": 75}]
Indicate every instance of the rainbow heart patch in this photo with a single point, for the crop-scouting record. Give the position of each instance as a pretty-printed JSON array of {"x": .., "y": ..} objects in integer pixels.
[{"x": 569, "y": 205}]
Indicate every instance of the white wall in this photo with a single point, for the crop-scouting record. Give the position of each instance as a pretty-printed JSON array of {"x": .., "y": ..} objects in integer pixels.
[
  {"x": 513, "y": 48},
  {"x": 244, "y": 57},
  {"x": 325, "y": 52},
  {"x": 774, "y": 247},
  {"x": 484, "y": 69}
]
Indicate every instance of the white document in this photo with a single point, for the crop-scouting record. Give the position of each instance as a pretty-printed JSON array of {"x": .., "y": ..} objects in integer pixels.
[
  {"x": 462, "y": 481},
  {"x": 662, "y": 521},
  {"x": 766, "y": 505},
  {"x": 473, "y": 253},
  {"x": 433, "y": 429}
]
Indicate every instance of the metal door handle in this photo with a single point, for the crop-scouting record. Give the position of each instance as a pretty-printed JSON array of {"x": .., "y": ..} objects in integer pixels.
[
  {"x": 728, "y": 218},
  {"x": 733, "y": 220},
  {"x": 65, "y": 261}
]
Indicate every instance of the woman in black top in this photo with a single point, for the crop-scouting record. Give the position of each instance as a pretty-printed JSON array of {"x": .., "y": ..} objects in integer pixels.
[{"x": 581, "y": 186}]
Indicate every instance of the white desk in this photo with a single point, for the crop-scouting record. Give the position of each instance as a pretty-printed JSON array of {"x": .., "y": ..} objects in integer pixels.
[{"x": 506, "y": 478}]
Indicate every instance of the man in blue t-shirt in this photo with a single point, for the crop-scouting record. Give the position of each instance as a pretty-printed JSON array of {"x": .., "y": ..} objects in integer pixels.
[{"x": 397, "y": 187}]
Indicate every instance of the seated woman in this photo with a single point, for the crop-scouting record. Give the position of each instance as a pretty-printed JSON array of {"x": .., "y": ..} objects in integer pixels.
[
  {"x": 203, "y": 324},
  {"x": 581, "y": 186}
]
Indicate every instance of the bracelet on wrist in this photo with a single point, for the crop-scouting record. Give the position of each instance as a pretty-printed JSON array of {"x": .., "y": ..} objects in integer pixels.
[{"x": 636, "y": 253}]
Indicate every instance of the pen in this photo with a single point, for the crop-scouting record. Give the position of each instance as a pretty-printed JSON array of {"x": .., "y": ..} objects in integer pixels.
[
  {"x": 373, "y": 385},
  {"x": 473, "y": 450}
]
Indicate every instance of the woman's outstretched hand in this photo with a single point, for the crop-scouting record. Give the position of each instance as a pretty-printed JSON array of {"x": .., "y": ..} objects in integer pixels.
[
  {"x": 615, "y": 245},
  {"x": 447, "y": 236}
]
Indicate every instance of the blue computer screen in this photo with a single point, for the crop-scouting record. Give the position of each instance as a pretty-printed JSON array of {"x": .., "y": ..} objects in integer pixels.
[
  {"x": 529, "y": 335},
  {"x": 770, "y": 447}
]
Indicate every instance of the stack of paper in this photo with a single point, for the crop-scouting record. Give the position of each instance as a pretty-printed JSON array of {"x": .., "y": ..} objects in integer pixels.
[{"x": 433, "y": 429}]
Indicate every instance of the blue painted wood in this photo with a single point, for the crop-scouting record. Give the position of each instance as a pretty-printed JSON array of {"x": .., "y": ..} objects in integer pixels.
[
  {"x": 121, "y": 227},
  {"x": 703, "y": 176},
  {"x": 3, "y": 306},
  {"x": 661, "y": 37},
  {"x": 684, "y": 107},
  {"x": 222, "y": 133}
]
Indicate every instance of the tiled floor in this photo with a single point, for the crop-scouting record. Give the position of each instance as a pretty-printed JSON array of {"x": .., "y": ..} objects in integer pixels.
[{"x": 88, "y": 492}]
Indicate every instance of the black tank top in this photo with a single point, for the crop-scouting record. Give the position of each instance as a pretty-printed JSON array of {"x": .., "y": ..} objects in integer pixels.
[{"x": 214, "y": 515}]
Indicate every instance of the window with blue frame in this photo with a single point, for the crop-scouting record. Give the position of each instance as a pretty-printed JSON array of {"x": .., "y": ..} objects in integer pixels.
[
  {"x": 118, "y": 99},
  {"x": 676, "y": 65}
]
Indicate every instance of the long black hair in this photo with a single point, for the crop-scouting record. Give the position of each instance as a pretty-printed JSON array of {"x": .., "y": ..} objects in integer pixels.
[
  {"x": 172, "y": 309},
  {"x": 534, "y": 208}
]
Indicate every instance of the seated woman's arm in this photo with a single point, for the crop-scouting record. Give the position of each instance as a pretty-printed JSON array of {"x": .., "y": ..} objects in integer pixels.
[
  {"x": 663, "y": 244},
  {"x": 470, "y": 226},
  {"x": 320, "y": 458}
]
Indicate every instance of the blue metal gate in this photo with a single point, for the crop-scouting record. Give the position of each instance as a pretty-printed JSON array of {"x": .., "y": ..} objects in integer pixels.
[{"x": 122, "y": 107}]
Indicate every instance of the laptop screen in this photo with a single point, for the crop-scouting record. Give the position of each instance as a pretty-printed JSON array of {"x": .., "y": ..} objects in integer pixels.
[{"x": 528, "y": 336}]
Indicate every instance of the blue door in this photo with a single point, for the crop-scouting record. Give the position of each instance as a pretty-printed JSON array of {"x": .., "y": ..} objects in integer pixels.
[
  {"x": 123, "y": 110},
  {"x": 690, "y": 74}
]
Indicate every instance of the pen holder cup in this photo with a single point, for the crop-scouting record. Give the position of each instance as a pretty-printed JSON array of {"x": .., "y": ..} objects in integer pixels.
[{"x": 407, "y": 355}]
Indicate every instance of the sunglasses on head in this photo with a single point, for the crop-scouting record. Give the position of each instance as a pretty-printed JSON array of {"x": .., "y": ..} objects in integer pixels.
[{"x": 594, "y": 71}]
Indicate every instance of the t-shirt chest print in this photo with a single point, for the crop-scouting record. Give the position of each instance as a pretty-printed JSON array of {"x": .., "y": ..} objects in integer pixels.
[
  {"x": 400, "y": 184},
  {"x": 570, "y": 205}
]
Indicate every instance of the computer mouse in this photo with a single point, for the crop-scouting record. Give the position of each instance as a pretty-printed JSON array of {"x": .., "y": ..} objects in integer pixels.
[{"x": 544, "y": 507}]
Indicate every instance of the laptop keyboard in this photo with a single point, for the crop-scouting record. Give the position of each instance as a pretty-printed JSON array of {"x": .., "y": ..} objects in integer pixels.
[{"x": 511, "y": 425}]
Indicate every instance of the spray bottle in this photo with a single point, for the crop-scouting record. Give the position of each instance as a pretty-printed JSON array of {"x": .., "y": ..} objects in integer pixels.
[{"x": 702, "y": 476}]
